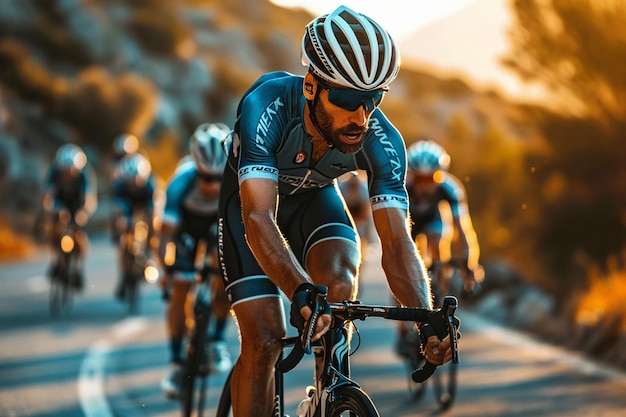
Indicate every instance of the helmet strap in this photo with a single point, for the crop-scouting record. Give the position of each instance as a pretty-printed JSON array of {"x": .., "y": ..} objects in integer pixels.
[{"x": 312, "y": 104}]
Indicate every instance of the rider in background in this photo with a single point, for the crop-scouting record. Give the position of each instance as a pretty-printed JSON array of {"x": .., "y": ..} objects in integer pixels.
[
  {"x": 283, "y": 222},
  {"x": 438, "y": 207},
  {"x": 188, "y": 237},
  {"x": 132, "y": 193},
  {"x": 70, "y": 187},
  {"x": 123, "y": 145}
]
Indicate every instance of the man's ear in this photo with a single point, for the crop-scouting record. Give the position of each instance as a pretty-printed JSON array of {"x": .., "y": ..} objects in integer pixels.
[{"x": 308, "y": 87}]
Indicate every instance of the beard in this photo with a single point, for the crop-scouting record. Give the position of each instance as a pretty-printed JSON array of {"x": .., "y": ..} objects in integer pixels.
[{"x": 324, "y": 124}]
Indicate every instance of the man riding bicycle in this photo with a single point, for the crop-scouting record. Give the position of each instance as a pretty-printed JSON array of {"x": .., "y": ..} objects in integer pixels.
[
  {"x": 283, "y": 223},
  {"x": 438, "y": 206},
  {"x": 70, "y": 187},
  {"x": 132, "y": 194},
  {"x": 188, "y": 233}
]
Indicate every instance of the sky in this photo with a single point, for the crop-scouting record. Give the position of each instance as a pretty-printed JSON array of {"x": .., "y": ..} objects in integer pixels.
[
  {"x": 399, "y": 17},
  {"x": 463, "y": 38}
]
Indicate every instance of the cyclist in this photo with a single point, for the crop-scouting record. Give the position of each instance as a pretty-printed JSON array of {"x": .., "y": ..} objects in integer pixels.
[
  {"x": 132, "y": 193},
  {"x": 283, "y": 223},
  {"x": 70, "y": 187},
  {"x": 438, "y": 206},
  {"x": 189, "y": 223},
  {"x": 124, "y": 144}
]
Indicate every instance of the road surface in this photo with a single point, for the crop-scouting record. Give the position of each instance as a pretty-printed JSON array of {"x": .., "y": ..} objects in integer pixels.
[{"x": 102, "y": 362}]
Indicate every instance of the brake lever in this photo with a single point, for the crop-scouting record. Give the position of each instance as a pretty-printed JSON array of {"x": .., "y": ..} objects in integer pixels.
[{"x": 443, "y": 323}]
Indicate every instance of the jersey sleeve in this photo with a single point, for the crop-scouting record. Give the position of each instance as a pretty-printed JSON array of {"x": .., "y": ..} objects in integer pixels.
[
  {"x": 175, "y": 193},
  {"x": 384, "y": 158},
  {"x": 264, "y": 113},
  {"x": 455, "y": 194}
]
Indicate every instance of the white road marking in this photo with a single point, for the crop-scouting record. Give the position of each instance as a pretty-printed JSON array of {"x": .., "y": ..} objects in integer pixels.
[
  {"x": 38, "y": 284},
  {"x": 91, "y": 378}
]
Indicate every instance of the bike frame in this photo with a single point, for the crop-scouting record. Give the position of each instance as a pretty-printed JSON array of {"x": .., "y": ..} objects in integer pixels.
[
  {"x": 333, "y": 377},
  {"x": 334, "y": 353}
]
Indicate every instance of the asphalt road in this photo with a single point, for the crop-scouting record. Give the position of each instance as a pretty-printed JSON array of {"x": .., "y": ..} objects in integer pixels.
[{"x": 100, "y": 361}]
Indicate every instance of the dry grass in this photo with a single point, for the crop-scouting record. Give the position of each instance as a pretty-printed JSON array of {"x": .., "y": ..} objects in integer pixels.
[
  {"x": 604, "y": 299},
  {"x": 12, "y": 245}
]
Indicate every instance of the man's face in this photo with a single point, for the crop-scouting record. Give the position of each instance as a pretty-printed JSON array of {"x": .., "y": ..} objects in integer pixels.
[
  {"x": 423, "y": 184},
  {"x": 344, "y": 129},
  {"x": 209, "y": 185}
]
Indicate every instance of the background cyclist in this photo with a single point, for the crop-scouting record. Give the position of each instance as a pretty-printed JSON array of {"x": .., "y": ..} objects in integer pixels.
[
  {"x": 283, "y": 222},
  {"x": 123, "y": 145},
  {"x": 70, "y": 190},
  {"x": 132, "y": 196},
  {"x": 438, "y": 207},
  {"x": 189, "y": 233}
]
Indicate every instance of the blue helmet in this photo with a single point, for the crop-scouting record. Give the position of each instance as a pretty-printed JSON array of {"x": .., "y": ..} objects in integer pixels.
[
  {"x": 71, "y": 157},
  {"x": 427, "y": 156}
]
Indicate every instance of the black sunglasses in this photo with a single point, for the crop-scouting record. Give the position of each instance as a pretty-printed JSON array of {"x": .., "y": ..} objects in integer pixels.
[
  {"x": 351, "y": 99},
  {"x": 209, "y": 177}
]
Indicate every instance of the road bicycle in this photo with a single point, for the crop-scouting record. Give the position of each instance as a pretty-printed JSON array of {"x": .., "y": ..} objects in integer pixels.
[
  {"x": 335, "y": 393},
  {"x": 135, "y": 259},
  {"x": 196, "y": 367},
  {"x": 64, "y": 269}
]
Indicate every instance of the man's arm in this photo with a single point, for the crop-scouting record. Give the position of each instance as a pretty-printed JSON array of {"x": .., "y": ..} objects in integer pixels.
[
  {"x": 258, "y": 202},
  {"x": 401, "y": 260},
  {"x": 406, "y": 273}
]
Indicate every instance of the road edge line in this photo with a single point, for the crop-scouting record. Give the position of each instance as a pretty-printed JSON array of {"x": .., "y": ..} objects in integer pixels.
[{"x": 91, "y": 377}]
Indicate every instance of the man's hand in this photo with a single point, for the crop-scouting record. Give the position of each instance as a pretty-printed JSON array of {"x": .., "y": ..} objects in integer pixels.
[
  {"x": 323, "y": 322},
  {"x": 302, "y": 305},
  {"x": 438, "y": 351}
]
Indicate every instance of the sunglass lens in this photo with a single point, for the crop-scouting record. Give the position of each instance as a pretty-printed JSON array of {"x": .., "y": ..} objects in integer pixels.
[
  {"x": 353, "y": 99},
  {"x": 210, "y": 177}
]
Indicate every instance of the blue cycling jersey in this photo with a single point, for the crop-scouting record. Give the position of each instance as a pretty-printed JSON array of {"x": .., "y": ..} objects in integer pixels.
[
  {"x": 425, "y": 209},
  {"x": 273, "y": 143},
  {"x": 192, "y": 214}
]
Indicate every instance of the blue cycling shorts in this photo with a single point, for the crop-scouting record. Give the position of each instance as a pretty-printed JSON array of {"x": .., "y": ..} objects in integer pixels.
[{"x": 304, "y": 219}]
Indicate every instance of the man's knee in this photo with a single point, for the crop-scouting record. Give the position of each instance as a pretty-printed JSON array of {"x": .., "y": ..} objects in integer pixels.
[{"x": 337, "y": 268}]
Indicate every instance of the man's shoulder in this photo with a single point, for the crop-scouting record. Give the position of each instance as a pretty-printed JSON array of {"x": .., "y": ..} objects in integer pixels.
[
  {"x": 278, "y": 77},
  {"x": 184, "y": 175},
  {"x": 271, "y": 82},
  {"x": 381, "y": 127},
  {"x": 453, "y": 186}
]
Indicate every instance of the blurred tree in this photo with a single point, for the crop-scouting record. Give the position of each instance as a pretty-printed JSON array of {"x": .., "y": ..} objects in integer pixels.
[{"x": 576, "y": 50}]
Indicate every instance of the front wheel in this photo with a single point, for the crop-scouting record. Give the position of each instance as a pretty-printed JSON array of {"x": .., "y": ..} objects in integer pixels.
[
  {"x": 60, "y": 289},
  {"x": 224, "y": 408},
  {"x": 351, "y": 401},
  {"x": 132, "y": 281},
  {"x": 444, "y": 384}
]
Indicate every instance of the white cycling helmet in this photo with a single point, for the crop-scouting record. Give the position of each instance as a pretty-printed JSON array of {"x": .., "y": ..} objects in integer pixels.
[
  {"x": 350, "y": 49},
  {"x": 71, "y": 157},
  {"x": 125, "y": 144},
  {"x": 206, "y": 147},
  {"x": 427, "y": 156},
  {"x": 135, "y": 168}
]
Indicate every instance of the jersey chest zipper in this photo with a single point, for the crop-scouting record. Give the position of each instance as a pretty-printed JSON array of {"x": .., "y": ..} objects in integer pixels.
[{"x": 308, "y": 174}]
